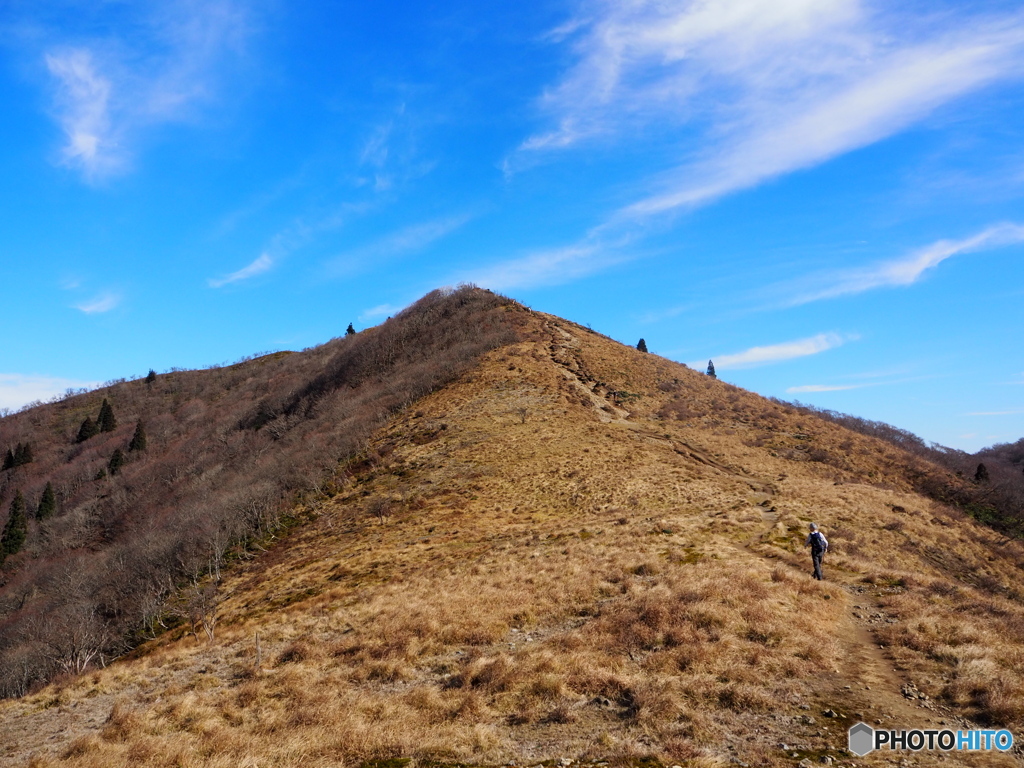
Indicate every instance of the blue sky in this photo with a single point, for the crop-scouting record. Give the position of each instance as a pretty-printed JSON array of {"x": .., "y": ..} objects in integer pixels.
[{"x": 823, "y": 196}]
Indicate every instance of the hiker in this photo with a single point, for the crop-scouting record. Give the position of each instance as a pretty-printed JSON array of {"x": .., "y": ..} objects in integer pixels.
[{"x": 819, "y": 546}]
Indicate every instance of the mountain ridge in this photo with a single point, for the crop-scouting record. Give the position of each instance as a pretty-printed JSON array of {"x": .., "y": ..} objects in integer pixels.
[{"x": 574, "y": 550}]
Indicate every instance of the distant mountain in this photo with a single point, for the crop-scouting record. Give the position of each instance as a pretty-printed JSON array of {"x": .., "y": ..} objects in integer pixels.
[
  {"x": 995, "y": 491},
  {"x": 482, "y": 535}
]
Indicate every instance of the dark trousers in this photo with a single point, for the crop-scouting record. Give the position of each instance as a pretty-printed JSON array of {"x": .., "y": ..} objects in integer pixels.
[{"x": 816, "y": 558}]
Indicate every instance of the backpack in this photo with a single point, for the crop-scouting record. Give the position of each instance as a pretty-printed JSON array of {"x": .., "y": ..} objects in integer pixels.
[{"x": 818, "y": 543}]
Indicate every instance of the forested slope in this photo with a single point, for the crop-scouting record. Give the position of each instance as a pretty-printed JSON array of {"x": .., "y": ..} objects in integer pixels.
[{"x": 224, "y": 453}]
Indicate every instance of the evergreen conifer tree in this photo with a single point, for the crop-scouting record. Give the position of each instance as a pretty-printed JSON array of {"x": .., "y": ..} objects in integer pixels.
[
  {"x": 641, "y": 345},
  {"x": 151, "y": 376},
  {"x": 711, "y": 370},
  {"x": 88, "y": 429},
  {"x": 107, "y": 422},
  {"x": 138, "y": 442},
  {"x": 981, "y": 474},
  {"x": 350, "y": 331},
  {"x": 22, "y": 455},
  {"x": 47, "y": 504},
  {"x": 117, "y": 460},
  {"x": 16, "y": 530},
  {"x": 9, "y": 460}
]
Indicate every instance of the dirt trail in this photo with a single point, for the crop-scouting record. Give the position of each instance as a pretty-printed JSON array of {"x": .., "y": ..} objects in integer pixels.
[
  {"x": 866, "y": 686},
  {"x": 564, "y": 351}
]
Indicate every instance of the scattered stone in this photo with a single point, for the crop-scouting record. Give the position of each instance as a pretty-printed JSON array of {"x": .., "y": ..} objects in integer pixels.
[
  {"x": 805, "y": 706},
  {"x": 565, "y": 762},
  {"x": 830, "y": 713},
  {"x": 910, "y": 691},
  {"x": 827, "y": 760}
]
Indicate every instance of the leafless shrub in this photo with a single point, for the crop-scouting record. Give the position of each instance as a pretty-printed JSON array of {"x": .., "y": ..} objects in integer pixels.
[
  {"x": 676, "y": 409},
  {"x": 380, "y": 508}
]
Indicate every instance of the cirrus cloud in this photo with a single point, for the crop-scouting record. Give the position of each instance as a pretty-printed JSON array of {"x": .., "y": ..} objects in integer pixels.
[
  {"x": 104, "y": 302},
  {"x": 825, "y": 388},
  {"x": 745, "y": 91},
  {"x": 259, "y": 265},
  {"x": 775, "y": 353},
  {"x": 109, "y": 86},
  {"x": 910, "y": 268}
]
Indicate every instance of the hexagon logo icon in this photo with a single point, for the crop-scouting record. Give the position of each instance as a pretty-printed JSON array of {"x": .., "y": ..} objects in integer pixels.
[{"x": 861, "y": 739}]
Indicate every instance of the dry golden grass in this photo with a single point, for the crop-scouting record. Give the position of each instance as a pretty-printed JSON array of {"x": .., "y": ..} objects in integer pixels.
[{"x": 533, "y": 564}]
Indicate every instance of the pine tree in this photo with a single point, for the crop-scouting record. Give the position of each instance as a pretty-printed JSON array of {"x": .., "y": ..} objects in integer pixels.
[
  {"x": 981, "y": 475},
  {"x": 9, "y": 460},
  {"x": 22, "y": 455},
  {"x": 151, "y": 376},
  {"x": 47, "y": 504},
  {"x": 107, "y": 421},
  {"x": 88, "y": 429},
  {"x": 641, "y": 345},
  {"x": 138, "y": 442},
  {"x": 711, "y": 370},
  {"x": 350, "y": 331},
  {"x": 16, "y": 530},
  {"x": 117, "y": 460}
]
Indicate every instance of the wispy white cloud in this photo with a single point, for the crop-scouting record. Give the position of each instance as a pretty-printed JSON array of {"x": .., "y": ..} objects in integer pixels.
[
  {"x": 411, "y": 239},
  {"x": 18, "y": 389},
  {"x": 261, "y": 264},
  {"x": 775, "y": 353},
  {"x": 375, "y": 149},
  {"x": 656, "y": 316},
  {"x": 825, "y": 387},
  {"x": 104, "y": 302},
  {"x": 543, "y": 268},
  {"x": 908, "y": 269},
  {"x": 762, "y": 88},
  {"x": 420, "y": 236},
  {"x": 381, "y": 310},
  {"x": 83, "y": 109},
  {"x": 874, "y": 379},
  {"x": 166, "y": 58}
]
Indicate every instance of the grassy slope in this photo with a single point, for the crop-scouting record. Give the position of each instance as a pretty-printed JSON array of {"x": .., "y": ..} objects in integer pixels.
[{"x": 530, "y": 568}]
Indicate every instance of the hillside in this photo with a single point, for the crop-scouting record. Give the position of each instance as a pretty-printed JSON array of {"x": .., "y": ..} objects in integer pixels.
[
  {"x": 574, "y": 551},
  {"x": 228, "y": 452}
]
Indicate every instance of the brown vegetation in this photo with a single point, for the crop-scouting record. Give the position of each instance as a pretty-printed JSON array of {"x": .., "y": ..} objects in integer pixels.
[{"x": 604, "y": 580}]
